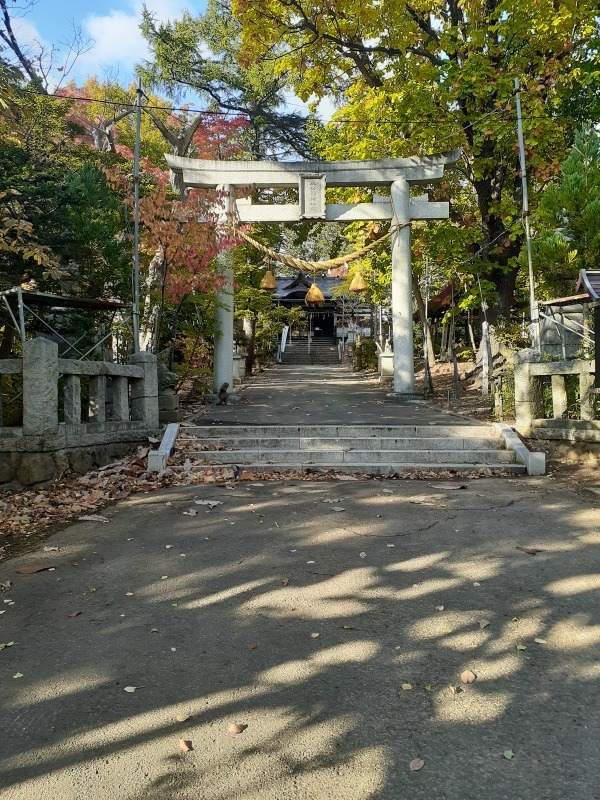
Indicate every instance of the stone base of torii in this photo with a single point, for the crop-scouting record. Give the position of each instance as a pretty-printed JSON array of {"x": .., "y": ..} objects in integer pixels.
[{"x": 311, "y": 180}]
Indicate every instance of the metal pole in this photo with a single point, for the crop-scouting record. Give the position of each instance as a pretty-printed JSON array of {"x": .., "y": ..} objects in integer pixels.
[
  {"x": 136, "y": 220},
  {"x": 533, "y": 310},
  {"x": 21, "y": 314}
]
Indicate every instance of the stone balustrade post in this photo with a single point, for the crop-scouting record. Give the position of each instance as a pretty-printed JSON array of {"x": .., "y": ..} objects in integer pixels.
[
  {"x": 587, "y": 398},
  {"x": 72, "y": 399},
  {"x": 120, "y": 399},
  {"x": 525, "y": 405},
  {"x": 559, "y": 396},
  {"x": 40, "y": 387},
  {"x": 97, "y": 407},
  {"x": 144, "y": 390}
]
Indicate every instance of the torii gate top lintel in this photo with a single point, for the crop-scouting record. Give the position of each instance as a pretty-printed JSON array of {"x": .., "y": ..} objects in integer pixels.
[{"x": 285, "y": 174}]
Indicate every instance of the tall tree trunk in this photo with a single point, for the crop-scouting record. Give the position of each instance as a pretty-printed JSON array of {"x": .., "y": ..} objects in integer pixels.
[
  {"x": 150, "y": 308},
  {"x": 249, "y": 326},
  {"x": 421, "y": 308}
]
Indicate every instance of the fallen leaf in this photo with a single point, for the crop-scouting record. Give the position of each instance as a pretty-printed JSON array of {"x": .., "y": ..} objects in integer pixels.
[
  {"x": 468, "y": 676},
  {"x": 209, "y": 503},
  {"x": 191, "y": 512},
  {"x": 529, "y": 550},
  {"x": 540, "y": 641},
  {"x": 128, "y": 594},
  {"x": 454, "y": 689},
  {"x": 185, "y": 745},
  {"x": 332, "y": 500},
  {"x": 476, "y": 583},
  {"x": 164, "y": 577},
  {"x": 93, "y": 518},
  {"x": 74, "y": 614},
  {"x": 416, "y": 764},
  {"x": 508, "y": 754},
  {"x": 285, "y": 581},
  {"x": 387, "y": 491},
  {"x": 252, "y": 646},
  {"x": 362, "y": 555},
  {"x": 50, "y": 549},
  {"x": 427, "y": 687},
  {"x": 236, "y": 727},
  {"x": 315, "y": 635},
  {"x": 31, "y": 570},
  {"x": 447, "y": 486},
  {"x": 439, "y": 608},
  {"x": 338, "y": 508},
  {"x": 390, "y": 545},
  {"x": 168, "y": 546},
  {"x": 5, "y": 586},
  {"x": 18, "y": 675},
  {"x": 154, "y": 630},
  {"x": 153, "y": 440},
  {"x": 483, "y": 623},
  {"x": 182, "y": 717},
  {"x": 407, "y": 686},
  {"x": 521, "y": 647},
  {"x": 130, "y": 689}
]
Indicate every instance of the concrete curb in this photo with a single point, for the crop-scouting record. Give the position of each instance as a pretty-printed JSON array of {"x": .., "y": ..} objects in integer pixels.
[
  {"x": 535, "y": 462},
  {"x": 157, "y": 459}
]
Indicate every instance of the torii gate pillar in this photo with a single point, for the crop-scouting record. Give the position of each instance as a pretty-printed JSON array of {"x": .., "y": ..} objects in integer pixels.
[{"x": 404, "y": 370}]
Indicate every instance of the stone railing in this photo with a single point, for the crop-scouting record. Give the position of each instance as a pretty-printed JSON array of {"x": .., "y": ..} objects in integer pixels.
[
  {"x": 122, "y": 408},
  {"x": 529, "y": 412}
]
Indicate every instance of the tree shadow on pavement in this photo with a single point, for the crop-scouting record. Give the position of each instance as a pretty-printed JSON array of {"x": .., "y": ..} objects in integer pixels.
[{"x": 337, "y": 637}]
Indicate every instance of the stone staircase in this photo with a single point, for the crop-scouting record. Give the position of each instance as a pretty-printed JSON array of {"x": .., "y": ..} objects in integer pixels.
[
  {"x": 322, "y": 351},
  {"x": 372, "y": 450}
]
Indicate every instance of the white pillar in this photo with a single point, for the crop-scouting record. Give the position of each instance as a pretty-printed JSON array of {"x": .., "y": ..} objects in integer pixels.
[
  {"x": 402, "y": 310},
  {"x": 223, "y": 367}
]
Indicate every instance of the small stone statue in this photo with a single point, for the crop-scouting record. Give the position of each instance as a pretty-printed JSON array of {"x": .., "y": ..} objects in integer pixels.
[{"x": 223, "y": 395}]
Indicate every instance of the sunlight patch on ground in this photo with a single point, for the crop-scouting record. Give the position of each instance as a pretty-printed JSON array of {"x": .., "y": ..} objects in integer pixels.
[
  {"x": 421, "y": 562},
  {"x": 576, "y": 584}
]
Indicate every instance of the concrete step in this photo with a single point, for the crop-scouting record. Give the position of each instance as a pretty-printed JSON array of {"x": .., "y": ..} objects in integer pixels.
[
  {"x": 341, "y": 431},
  {"x": 346, "y": 443},
  {"x": 394, "y": 458},
  {"x": 373, "y": 469}
]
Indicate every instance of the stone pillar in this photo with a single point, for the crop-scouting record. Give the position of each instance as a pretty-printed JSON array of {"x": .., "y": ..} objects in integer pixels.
[
  {"x": 144, "y": 390},
  {"x": 587, "y": 397},
  {"x": 97, "y": 407},
  {"x": 404, "y": 369},
  {"x": 120, "y": 399},
  {"x": 223, "y": 369},
  {"x": 40, "y": 387},
  {"x": 559, "y": 396},
  {"x": 525, "y": 397},
  {"x": 72, "y": 399}
]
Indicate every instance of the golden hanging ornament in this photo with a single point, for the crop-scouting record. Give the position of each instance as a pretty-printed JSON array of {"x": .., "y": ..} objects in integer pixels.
[
  {"x": 314, "y": 296},
  {"x": 358, "y": 284},
  {"x": 268, "y": 282}
]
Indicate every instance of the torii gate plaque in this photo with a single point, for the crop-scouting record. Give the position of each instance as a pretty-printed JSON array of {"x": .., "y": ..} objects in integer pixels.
[{"x": 311, "y": 178}]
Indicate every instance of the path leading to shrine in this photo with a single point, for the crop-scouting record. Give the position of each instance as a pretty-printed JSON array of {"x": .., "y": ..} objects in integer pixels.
[
  {"x": 323, "y": 395},
  {"x": 334, "y": 620}
]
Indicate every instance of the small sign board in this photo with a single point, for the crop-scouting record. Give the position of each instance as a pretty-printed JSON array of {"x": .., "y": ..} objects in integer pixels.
[{"x": 312, "y": 196}]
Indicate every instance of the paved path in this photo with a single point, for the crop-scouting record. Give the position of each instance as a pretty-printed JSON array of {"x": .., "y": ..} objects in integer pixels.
[
  {"x": 215, "y": 617},
  {"x": 323, "y": 395}
]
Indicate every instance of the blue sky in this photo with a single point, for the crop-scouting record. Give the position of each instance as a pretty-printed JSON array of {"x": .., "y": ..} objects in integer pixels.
[{"x": 113, "y": 25}]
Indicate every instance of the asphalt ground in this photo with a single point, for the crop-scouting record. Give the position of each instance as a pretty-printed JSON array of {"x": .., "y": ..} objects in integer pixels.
[
  {"x": 323, "y": 395},
  {"x": 308, "y": 625}
]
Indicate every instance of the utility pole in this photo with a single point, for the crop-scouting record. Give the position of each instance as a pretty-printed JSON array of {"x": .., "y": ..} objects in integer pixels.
[
  {"x": 136, "y": 219},
  {"x": 533, "y": 309}
]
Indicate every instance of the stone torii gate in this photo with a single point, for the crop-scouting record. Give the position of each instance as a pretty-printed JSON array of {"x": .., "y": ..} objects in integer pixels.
[{"x": 311, "y": 180}]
